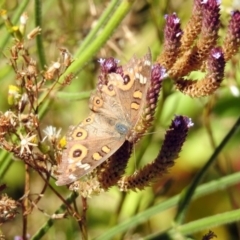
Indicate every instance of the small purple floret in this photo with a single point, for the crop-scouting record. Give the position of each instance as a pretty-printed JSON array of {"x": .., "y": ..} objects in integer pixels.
[
  {"x": 108, "y": 65},
  {"x": 181, "y": 121},
  {"x": 158, "y": 72}
]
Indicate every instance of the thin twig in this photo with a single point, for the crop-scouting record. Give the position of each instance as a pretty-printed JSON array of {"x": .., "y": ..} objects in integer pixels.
[
  {"x": 25, "y": 202},
  {"x": 84, "y": 219}
]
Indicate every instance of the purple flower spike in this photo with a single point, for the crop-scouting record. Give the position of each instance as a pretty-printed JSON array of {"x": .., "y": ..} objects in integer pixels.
[
  {"x": 211, "y": 16},
  {"x": 172, "y": 31},
  {"x": 172, "y": 41}
]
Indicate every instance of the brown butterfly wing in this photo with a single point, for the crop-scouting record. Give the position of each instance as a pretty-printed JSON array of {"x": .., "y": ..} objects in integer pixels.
[
  {"x": 131, "y": 90},
  {"x": 88, "y": 145},
  {"x": 117, "y": 108}
]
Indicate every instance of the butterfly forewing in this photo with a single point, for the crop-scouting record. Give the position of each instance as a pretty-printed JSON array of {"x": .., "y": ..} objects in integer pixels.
[
  {"x": 131, "y": 90},
  {"x": 88, "y": 145}
]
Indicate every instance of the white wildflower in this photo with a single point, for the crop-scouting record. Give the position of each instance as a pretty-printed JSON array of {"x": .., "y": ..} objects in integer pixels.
[
  {"x": 51, "y": 133},
  {"x": 26, "y": 141}
]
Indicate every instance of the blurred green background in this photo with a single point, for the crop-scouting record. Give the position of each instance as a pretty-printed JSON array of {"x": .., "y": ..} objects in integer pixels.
[{"x": 66, "y": 24}]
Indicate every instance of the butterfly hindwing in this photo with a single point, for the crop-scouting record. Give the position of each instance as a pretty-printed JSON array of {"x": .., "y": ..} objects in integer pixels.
[{"x": 88, "y": 146}]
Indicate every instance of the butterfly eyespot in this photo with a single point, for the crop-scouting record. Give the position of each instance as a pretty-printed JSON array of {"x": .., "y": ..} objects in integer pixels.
[
  {"x": 109, "y": 90},
  {"x": 126, "y": 79},
  {"x": 80, "y": 134},
  {"x": 77, "y": 153},
  {"x": 98, "y": 101},
  {"x": 88, "y": 120},
  {"x": 110, "y": 87}
]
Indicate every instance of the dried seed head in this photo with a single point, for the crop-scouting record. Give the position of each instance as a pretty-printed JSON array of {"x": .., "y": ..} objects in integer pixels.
[
  {"x": 66, "y": 57},
  {"x": 8, "y": 208},
  {"x": 87, "y": 189},
  {"x": 68, "y": 79},
  {"x": 31, "y": 70},
  {"x": 52, "y": 71},
  {"x": 23, "y": 102},
  {"x": 34, "y": 33},
  {"x": 7, "y": 123},
  {"x": 4, "y": 125}
]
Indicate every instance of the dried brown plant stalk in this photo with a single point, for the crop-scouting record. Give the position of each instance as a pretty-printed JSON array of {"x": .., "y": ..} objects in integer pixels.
[{"x": 20, "y": 131}]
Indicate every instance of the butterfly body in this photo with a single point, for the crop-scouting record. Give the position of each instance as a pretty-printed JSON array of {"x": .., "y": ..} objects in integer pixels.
[{"x": 116, "y": 107}]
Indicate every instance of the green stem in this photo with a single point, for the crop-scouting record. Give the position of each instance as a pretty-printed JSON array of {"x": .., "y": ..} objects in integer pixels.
[
  {"x": 101, "y": 22},
  {"x": 207, "y": 188},
  {"x": 39, "y": 41},
  {"x": 41, "y": 232},
  {"x": 198, "y": 225},
  {"x": 5, "y": 38},
  {"x": 98, "y": 42},
  {"x": 188, "y": 193},
  {"x": 115, "y": 20},
  {"x": 5, "y": 163},
  {"x": 73, "y": 96}
]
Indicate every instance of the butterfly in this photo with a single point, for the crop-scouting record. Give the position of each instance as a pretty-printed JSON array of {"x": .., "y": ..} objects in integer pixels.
[{"x": 115, "y": 109}]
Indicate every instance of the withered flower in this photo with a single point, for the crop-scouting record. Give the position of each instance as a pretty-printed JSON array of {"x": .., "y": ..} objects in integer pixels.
[
  {"x": 8, "y": 208},
  {"x": 26, "y": 142}
]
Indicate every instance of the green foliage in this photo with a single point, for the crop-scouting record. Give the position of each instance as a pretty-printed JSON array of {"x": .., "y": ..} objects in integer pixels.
[{"x": 174, "y": 208}]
